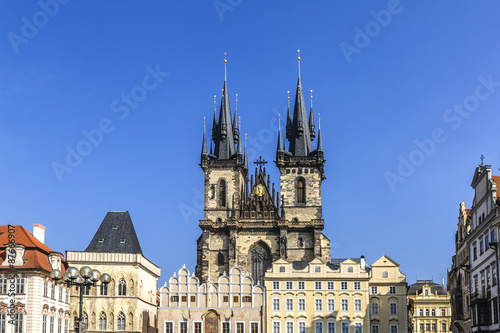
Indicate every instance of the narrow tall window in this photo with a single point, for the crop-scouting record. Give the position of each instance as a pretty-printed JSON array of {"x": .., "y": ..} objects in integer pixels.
[
  {"x": 104, "y": 289},
  {"x": 2, "y": 322},
  {"x": 122, "y": 288},
  {"x": 18, "y": 323},
  {"x": 222, "y": 193},
  {"x": 220, "y": 259},
  {"x": 301, "y": 191},
  {"x": 102, "y": 321},
  {"x": 121, "y": 322}
]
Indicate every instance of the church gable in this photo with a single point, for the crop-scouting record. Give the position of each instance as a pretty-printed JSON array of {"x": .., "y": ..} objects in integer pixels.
[{"x": 260, "y": 203}]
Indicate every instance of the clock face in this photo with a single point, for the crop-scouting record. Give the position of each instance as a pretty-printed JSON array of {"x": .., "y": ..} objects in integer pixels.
[{"x": 259, "y": 190}]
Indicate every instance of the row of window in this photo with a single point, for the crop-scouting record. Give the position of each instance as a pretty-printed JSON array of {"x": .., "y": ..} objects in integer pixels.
[
  {"x": 49, "y": 326},
  {"x": 192, "y": 299},
  {"x": 484, "y": 244},
  {"x": 197, "y": 327},
  {"x": 5, "y": 286},
  {"x": 432, "y": 312},
  {"x": 330, "y": 305},
  {"x": 63, "y": 292},
  {"x": 103, "y": 289},
  {"x": 103, "y": 323},
  {"x": 319, "y": 327},
  {"x": 432, "y": 327},
  {"x": 488, "y": 279},
  {"x": 17, "y": 322},
  {"x": 330, "y": 285}
]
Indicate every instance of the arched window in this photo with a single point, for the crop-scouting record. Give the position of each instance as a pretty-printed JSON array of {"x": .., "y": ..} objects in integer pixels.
[
  {"x": 385, "y": 274},
  {"x": 222, "y": 193},
  {"x": 121, "y": 322},
  {"x": 301, "y": 191},
  {"x": 86, "y": 290},
  {"x": 85, "y": 318},
  {"x": 427, "y": 312},
  {"x": 433, "y": 312},
  {"x": 102, "y": 321},
  {"x": 421, "y": 312},
  {"x": 301, "y": 242},
  {"x": 443, "y": 312},
  {"x": 426, "y": 292},
  {"x": 104, "y": 289},
  {"x": 122, "y": 288},
  {"x": 220, "y": 259},
  {"x": 261, "y": 261}
]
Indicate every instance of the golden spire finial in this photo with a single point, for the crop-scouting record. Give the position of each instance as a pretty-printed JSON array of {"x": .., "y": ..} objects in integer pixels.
[
  {"x": 298, "y": 59},
  {"x": 225, "y": 70},
  {"x": 311, "y": 98},
  {"x": 236, "y": 101},
  {"x": 319, "y": 120},
  {"x": 239, "y": 122},
  {"x": 288, "y": 99}
]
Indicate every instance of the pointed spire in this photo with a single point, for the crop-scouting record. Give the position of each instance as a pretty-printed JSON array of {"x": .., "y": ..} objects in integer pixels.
[
  {"x": 245, "y": 160},
  {"x": 288, "y": 127},
  {"x": 224, "y": 143},
  {"x": 320, "y": 143},
  {"x": 280, "y": 144},
  {"x": 300, "y": 141},
  {"x": 204, "y": 144},
  {"x": 312, "y": 128},
  {"x": 236, "y": 132},
  {"x": 239, "y": 152},
  {"x": 214, "y": 125}
]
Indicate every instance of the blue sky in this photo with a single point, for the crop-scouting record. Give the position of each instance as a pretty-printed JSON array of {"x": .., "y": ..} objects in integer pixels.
[{"x": 408, "y": 93}]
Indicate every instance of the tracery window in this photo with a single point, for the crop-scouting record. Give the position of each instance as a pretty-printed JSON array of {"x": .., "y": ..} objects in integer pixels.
[
  {"x": 261, "y": 261},
  {"x": 121, "y": 322},
  {"x": 122, "y": 288},
  {"x": 102, "y": 321}
]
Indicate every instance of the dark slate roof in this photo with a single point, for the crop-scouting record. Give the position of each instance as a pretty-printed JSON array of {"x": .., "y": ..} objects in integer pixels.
[
  {"x": 416, "y": 288},
  {"x": 116, "y": 235}
]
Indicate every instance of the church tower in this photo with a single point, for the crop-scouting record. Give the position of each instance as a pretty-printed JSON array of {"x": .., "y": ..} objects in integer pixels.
[
  {"x": 301, "y": 175},
  {"x": 226, "y": 175},
  {"x": 246, "y": 222}
]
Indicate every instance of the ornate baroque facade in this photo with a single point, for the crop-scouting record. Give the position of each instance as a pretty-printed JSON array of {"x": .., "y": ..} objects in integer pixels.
[{"x": 39, "y": 305}]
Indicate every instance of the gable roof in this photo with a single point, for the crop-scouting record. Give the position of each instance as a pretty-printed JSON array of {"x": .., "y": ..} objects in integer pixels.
[
  {"x": 36, "y": 254},
  {"x": 116, "y": 234},
  {"x": 383, "y": 261}
]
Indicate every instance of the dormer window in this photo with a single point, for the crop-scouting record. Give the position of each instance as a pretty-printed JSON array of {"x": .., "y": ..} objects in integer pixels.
[
  {"x": 301, "y": 190},
  {"x": 122, "y": 241},
  {"x": 115, "y": 226},
  {"x": 101, "y": 240},
  {"x": 222, "y": 193}
]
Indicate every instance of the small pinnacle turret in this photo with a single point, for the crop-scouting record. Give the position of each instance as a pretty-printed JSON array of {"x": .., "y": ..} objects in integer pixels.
[
  {"x": 312, "y": 128},
  {"x": 280, "y": 144}
]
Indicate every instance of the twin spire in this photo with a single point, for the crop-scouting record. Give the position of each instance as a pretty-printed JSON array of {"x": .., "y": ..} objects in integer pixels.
[{"x": 300, "y": 131}]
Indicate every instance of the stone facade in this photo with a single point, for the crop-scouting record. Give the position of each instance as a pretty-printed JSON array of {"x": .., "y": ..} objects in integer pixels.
[
  {"x": 137, "y": 305},
  {"x": 458, "y": 275},
  {"x": 233, "y": 304}
]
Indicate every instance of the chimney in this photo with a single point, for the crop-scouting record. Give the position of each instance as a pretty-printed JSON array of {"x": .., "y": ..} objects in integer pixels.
[
  {"x": 362, "y": 261},
  {"x": 39, "y": 232}
]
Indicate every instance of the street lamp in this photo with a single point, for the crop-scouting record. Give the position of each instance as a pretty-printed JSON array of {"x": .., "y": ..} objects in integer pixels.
[{"x": 85, "y": 277}]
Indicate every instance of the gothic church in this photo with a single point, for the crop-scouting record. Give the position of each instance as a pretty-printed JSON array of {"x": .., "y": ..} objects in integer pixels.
[{"x": 246, "y": 222}]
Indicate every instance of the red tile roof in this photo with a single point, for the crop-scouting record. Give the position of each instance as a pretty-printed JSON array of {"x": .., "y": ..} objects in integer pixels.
[
  {"x": 36, "y": 255},
  {"x": 496, "y": 179}
]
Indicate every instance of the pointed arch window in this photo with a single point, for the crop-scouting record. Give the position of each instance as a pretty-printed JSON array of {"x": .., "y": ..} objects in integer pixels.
[
  {"x": 222, "y": 193},
  {"x": 122, "y": 288},
  {"x": 121, "y": 322},
  {"x": 301, "y": 190},
  {"x": 102, "y": 321},
  {"x": 85, "y": 318},
  {"x": 261, "y": 261}
]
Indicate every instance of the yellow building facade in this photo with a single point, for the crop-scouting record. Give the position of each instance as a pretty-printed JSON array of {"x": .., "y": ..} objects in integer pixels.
[
  {"x": 336, "y": 297},
  {"x": 432, "y": 308}
]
